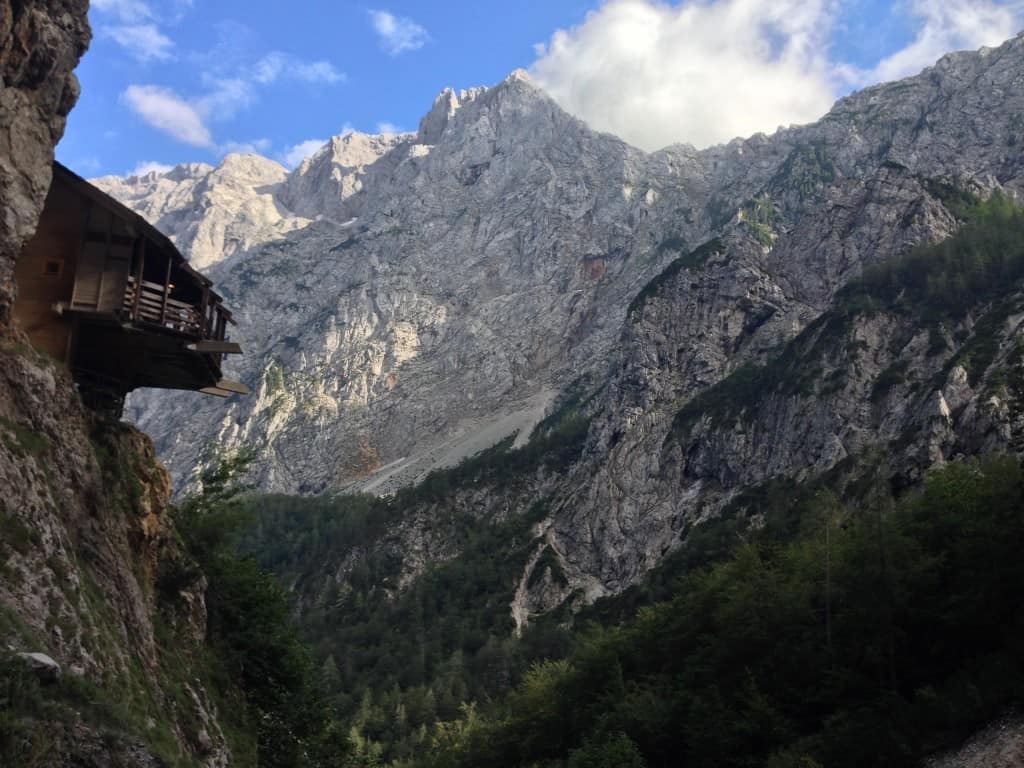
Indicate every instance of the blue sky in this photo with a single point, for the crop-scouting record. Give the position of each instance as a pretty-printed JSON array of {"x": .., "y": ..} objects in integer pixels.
[{"x": 170, "y": 81}]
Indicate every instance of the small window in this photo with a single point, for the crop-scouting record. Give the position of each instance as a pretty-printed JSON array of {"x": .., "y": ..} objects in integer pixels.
[{"x": 53, "y": 267}]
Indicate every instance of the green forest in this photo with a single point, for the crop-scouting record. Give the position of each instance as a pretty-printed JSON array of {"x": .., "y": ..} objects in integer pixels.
[
  {"x": 835, "y": 634},
  {"x": 878, "y": 635}
]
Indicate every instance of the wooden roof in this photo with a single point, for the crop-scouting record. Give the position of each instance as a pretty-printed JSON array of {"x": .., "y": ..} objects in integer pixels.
[{"x": 126, "y": 214}]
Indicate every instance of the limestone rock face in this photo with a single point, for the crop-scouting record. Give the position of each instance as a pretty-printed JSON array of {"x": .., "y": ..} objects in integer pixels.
[
  {"x": 438, "y": 308},
  {"x": 448, "y": 284},
  {"x": 335, "y": 173},
  {"x": 211, "y": 213}
]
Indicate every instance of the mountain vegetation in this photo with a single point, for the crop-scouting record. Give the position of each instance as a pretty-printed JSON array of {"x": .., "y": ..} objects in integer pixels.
[{"x": 876, "y": 635}]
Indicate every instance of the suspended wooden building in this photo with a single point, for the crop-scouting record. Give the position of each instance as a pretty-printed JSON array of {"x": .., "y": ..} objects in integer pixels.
[{"x": 104, "y": 291}]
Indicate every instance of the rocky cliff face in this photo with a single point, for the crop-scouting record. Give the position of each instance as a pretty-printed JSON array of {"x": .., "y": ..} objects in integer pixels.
[
  {"x": 40, "y": 43},
  {"x": 83, "y": 534},
  {"x": 828, "y": 199},
  {"x": 448, "y": 284}
]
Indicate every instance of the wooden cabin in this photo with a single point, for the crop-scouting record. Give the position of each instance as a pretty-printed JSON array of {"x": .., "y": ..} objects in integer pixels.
[{"x": 104, "y": 291}]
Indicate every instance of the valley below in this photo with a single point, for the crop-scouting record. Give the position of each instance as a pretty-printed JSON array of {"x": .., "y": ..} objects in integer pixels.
[{"x": 556, "y": 452}]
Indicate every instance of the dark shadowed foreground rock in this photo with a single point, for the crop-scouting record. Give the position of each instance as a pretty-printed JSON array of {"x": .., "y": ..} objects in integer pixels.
[{"x": 83, "y": 534}]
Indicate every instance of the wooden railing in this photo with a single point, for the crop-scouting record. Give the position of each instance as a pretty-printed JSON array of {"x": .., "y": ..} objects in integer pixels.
[{"x": 152, "y": 305}]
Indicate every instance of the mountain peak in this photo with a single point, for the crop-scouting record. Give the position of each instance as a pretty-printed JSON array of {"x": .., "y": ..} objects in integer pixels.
[
  {"x": 520, "y": 76},
  {"x": 434, "y": 122}
]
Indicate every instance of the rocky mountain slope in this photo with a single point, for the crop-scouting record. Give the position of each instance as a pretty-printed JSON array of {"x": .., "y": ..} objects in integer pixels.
[
  {"x": 435, "y": 292},
  {"x": 484, "y": 263}
]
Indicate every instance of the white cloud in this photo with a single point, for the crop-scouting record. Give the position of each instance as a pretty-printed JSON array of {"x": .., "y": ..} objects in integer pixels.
[
  {"x": 149, "y": 166},
  {"x": 277, "y": 65},
  {"x": 398, "y": 34},
  {"x": 225, "y": 97},
  {"x": 944, "y": 25},
  {"x": 318, "y": 72},
  {"x": 144, "y": 42},
  {"x": 187, "y": 119},
  {"x": 269, "y": 68},
  {"x": 129, "y": 11},
  {"x": 164, "y": 110},
  {"x": 704, "y": 73},
  {"x": 254, "y": 147},
  {"x": 295, "y": 154},
  {"x": 386, "y": 127}
]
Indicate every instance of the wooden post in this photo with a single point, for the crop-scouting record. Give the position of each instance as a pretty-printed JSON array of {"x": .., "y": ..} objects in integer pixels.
[
  {"x": 106, "y": 260},
  {"x": 81, "y": 255},
  {"x": 167, "y": 291},
  {"x": 202, "y": 311},
  {"x": 140, "y": 246}
]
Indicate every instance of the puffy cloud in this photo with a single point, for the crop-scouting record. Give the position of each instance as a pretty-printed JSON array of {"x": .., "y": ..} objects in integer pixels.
[
  {"x": 943, "y": 26},
  {"x": 398, "y": 34},
  {"x": 164, "y": 110},
  {"x": 144, "y": 42},
  {"x": 386, "y": 127},
  {"x": 295, "y": 154},
  {"x": 149, "y": 166},
  {"x": 223, "y": 97},
  {"x": 704, "y": 73}
]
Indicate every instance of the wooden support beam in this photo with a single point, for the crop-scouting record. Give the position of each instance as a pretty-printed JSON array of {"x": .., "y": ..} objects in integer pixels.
[
  {"x": 233, "y": 386},
  {"x": 215, "y": 347},
  {"x": 216, "y": 392},
  {"x": 106, "y": 258},
  {"x": 101, "y": 237}
]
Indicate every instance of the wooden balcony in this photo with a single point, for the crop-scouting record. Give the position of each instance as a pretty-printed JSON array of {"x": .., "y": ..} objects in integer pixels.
[{"x": 111, "y": 296}]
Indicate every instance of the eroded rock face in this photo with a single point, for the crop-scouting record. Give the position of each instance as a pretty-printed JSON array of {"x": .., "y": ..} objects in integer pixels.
[
  {"x": 83, "y": 531},
  {"x": 452, "y": 285}
]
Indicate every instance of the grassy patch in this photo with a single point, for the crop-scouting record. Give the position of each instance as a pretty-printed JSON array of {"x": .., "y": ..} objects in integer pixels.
[
  {"x": 21, "y": 440},
  {"x": 15, "y": 534},
  {"x": 759, "y": 217},
  {"x": 693, "y": 260}
]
